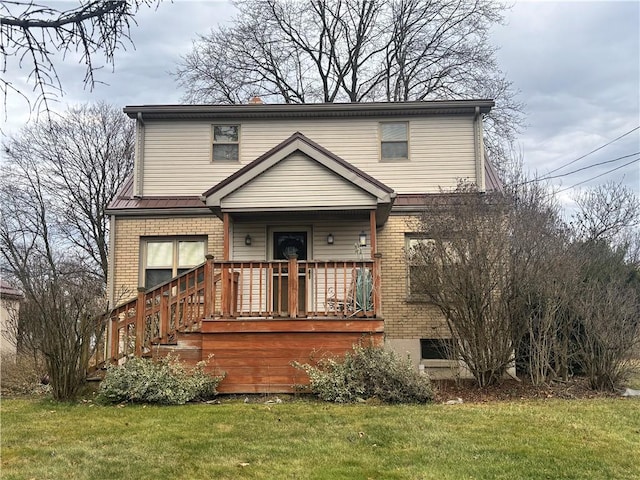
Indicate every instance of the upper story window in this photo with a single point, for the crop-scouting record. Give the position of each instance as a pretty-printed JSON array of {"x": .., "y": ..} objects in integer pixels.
[
  {"x": 394, "y": 141},
  {"x": 164, "y": 258},
  {"x": 226, "y": 143}
]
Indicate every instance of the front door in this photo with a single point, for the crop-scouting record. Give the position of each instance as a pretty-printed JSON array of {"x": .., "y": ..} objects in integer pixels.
[{"x": 285, "y": 244}]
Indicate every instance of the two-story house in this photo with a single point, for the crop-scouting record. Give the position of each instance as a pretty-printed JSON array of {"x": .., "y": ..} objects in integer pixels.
[{"x": 264, "y": 234}]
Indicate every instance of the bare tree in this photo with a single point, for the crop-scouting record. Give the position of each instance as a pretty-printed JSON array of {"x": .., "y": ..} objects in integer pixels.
[
  {"x": 33, "y": 32},
  {"x": 606, "y": 304},
  {"x": 78, "y": 161},
  {"x": 606, "y": 301},
  {"x": 608, "y": 212},
  {"x": 58, "y": 178},
  {"x": 577, "y": 291},
  {"x": 355, "y": 50},
  {"x": 466, "y": 274},
  {"x": 542, "y": 276}
]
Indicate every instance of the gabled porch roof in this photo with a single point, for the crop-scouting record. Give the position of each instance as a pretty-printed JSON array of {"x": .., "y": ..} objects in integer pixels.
[{"x": 300, "y": 175}]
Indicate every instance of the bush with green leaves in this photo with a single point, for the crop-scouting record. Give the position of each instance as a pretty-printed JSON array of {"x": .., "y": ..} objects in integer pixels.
[
  {"x": 368, "y": 372},
  {"x": 165, "y": 381}
]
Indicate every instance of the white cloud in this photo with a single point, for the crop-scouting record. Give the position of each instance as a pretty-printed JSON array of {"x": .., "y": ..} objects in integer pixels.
[{"x": 577, "y": 66}]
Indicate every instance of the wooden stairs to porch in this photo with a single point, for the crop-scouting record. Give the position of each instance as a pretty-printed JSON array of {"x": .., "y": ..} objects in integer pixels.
[{"x": 198, "y": 316}]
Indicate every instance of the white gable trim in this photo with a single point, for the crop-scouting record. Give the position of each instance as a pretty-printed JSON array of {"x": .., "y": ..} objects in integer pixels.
[
  {"x": 382, "y": 196},
  {"x": 298, "y": 183}
]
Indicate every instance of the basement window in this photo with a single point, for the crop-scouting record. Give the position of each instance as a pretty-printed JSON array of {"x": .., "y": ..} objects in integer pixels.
[
  {"x": 436, "y": 348},
  {"x": 226, "y": 143}
]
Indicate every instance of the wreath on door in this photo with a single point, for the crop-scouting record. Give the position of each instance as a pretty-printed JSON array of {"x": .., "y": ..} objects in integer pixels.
[{"x": 290, "y": 246}]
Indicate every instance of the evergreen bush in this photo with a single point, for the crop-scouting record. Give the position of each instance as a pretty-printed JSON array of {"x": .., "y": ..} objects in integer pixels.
[
  {"x": 368, "y": 372},
  {"x": 166, "y": 381}
]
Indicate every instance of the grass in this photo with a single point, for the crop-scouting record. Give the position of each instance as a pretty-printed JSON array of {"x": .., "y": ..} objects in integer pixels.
[{"x": 596, "y": 439}]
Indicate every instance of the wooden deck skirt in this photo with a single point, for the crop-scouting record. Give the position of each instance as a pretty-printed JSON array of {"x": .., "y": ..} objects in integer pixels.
[
  {"x": 253, "y": 318},
  {"x": 257, "y": 354}
]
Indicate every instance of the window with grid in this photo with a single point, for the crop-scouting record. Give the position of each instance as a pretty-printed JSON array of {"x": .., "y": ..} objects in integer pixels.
[
  {"x": 425, "y": 253},
  {"x": 394, "y": 141},
  {"x": 164, "y": 258},
  {"x": 416, "y": 265},
  {"x": 226, "y": 143}
]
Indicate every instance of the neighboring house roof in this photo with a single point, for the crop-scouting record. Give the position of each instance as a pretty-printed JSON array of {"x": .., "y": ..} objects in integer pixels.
[
  {"x": 309, "y": 110},
  {"x": 346, "y": 177},
  {"x": 7, "y": 291}
]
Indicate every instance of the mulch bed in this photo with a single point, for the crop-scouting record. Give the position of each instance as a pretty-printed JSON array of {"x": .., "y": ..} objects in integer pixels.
[{"x": 511, "y": 390}]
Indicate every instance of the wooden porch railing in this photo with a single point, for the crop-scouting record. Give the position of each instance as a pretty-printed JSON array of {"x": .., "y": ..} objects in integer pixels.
[{"x": 233, "y": 289}]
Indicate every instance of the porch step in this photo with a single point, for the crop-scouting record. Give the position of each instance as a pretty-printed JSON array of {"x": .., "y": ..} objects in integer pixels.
[{"x": 188, "y": 348}]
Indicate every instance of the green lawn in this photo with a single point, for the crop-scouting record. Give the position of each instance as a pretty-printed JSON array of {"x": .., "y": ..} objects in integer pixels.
[{"x": 579, "y": 439}]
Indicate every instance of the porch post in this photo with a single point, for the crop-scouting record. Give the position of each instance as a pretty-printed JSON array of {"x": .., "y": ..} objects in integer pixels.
[
  {"x": 293, "y": 286},
  {"x": 114, "y": 337},
  {"x": 208, "y": 286},
  {"x": 226, "y": 234},
  {"x": 377, "y": 286},
  {"x": 225, "y": 295},
  {"x": 140, "y": 308},
  {"x": 164, "y": 316},
  {"x": 372, "y": 234}
]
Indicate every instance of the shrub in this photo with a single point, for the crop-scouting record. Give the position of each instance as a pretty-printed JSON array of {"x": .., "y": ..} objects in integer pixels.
[
  {"x": 166, "y": 381},
  {"x": 22, "y": 375},
  {"x": 368, "y": 372}
]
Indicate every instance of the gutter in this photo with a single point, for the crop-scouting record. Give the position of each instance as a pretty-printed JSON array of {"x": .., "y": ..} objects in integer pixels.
[
  {"x": 160, "y": 212},
  {"x": 310, "y": 110}
]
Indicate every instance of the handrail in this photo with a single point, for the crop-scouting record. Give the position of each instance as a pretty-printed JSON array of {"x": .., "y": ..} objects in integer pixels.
[{"x": 232, "y": 289}]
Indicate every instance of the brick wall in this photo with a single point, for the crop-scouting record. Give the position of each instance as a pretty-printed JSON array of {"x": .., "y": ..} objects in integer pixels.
[
  {"x": 403, "y": 320},
  {"x": 128, "y": 232}
]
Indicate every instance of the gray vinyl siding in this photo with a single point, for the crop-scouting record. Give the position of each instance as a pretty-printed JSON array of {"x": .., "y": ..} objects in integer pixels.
[
  {"x": 177, "y": 154},
  {"x": 298, "y": 182},
  {"x": 345, "y": 233},
  {"x": 321, "y": 284}
]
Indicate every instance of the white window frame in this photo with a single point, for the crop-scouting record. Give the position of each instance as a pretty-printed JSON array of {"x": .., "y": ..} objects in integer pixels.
[
  {"x": 381, "y": 126},
  {"x": 175, "y": 246},
  {"x": 215, "y": 142}
]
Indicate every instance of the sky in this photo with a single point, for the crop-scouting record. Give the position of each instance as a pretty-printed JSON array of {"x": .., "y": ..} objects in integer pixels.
[{"x": 575, "y": 65}]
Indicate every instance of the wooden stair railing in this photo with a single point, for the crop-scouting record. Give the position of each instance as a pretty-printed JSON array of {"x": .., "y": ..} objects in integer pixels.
[
  {"x": 156, "y": 315},
  {"x": 231, "y": 289}
]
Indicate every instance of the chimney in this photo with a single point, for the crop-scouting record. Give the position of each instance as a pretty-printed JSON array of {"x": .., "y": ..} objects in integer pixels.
[{"x": 255, "y": 101}]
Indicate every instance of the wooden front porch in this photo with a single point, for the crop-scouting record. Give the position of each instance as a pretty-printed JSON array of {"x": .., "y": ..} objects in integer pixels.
[{"x": 255, "y": 318}]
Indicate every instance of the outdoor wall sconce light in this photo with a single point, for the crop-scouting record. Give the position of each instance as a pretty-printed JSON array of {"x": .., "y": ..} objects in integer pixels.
[
  {"x": 247, "y": 240},
  {"x": 362, "y": 239},
  {"x": 330, "y": 239}
]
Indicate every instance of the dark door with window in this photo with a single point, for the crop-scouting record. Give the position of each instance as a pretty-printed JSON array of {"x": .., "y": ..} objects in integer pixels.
[{"x": 285, "y": 245}]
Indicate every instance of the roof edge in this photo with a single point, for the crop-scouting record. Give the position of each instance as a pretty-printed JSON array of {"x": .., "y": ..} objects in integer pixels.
[{"x": 310, "y": 110}]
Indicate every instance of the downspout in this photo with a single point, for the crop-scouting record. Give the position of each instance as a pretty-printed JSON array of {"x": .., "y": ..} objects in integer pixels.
[
  {"x": 111, "y": 281},
  {"x": 478, "y": 149},
  {"x": 139, "y": 160}
]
